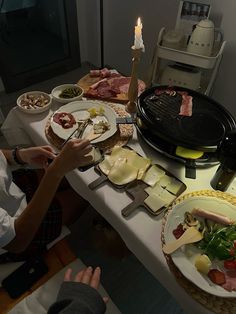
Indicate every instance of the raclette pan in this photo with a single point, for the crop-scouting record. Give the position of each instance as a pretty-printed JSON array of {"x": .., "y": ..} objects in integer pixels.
[
  {"x": 137, "y": 191},
  {"x": 104, "y": 178}
]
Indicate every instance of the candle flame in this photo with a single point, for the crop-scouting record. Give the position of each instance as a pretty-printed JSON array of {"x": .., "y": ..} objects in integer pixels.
[{"x": 139, "y": 22}]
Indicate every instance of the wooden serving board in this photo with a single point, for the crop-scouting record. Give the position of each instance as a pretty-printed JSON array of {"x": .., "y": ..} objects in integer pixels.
[{"x": 86, "y": 81}]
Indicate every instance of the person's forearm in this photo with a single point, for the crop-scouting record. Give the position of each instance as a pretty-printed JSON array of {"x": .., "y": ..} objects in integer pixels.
[
  {"x": 8, "y": 155},
  {"x": 27, "y": 224}
]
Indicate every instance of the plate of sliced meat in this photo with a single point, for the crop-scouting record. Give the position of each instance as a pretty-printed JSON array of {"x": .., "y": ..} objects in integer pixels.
[
  {"x": 107, "y": 84},
  {"x": 209, "y": 261},
  {"x": 93, "y": 119}
]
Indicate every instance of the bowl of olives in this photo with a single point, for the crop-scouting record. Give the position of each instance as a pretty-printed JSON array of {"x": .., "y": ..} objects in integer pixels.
[{"x": 67, "y": 92}]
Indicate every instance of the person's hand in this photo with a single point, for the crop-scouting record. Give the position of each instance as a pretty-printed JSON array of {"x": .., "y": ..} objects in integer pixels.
[
  {"x": 36, "y": 156},
  {"x": 73, "y": 155},
  {"x": 87, "y": 276}
]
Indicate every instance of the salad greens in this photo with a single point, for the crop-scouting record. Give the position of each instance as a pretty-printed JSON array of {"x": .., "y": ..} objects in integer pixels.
[{"x": 218, "y": 241}]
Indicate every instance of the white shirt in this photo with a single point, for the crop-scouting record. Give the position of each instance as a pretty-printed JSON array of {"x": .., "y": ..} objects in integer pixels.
[{"x": 12, "y": 203}]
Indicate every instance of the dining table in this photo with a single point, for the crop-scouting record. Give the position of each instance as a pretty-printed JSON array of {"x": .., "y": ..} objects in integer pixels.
[{"x": 140, "y": 231}]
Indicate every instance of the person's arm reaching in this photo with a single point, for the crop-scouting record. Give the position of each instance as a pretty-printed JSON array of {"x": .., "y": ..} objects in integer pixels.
[
  {"x": 27, "y": 224},
  {"x": 80, "y": 296}
]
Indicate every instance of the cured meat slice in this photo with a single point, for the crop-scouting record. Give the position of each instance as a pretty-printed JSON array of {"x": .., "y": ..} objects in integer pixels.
[
  {"x": 112, "y": 86},
  {"x": 186, "y": 106},
  {"x": 230, "y": 284},
  {"x": 100, "y": 73},
  {"x": 65, "y": 119},
  {"x": 94, "y": 73},
  {"x": 219, "y": 218},
  {"x": 105, "y": 72}
]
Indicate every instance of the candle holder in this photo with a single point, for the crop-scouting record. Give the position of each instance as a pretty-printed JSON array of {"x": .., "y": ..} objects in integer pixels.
[{"x": 131, "y": 106}]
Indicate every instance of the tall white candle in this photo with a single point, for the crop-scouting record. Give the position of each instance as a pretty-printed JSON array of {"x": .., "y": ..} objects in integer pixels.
[{"x": 138, "y": 40}]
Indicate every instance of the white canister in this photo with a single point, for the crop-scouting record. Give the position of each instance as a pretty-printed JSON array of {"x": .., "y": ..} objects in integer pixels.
[
  {"x": 202, "y": 39},
  {"x": 172, "y": 39}
]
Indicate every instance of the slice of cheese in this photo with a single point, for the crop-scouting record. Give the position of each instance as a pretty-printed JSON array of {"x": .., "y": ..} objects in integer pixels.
[
  {"x": 174, "y": 186},
  {"x": 154, "y": 202},
  {"x": 106, "y": 165},
  {"x": 140, "y": 163},
  {"x": 153, "y": 175},
  {"x": 188, "y": 153},
  {"x": 167, "y": 197},
  {"x": 157, "y": 189},
  {"x": 120, "y": 152},
  {"x": 165, "y": 180},
  {"x": 122, "y": 173}
]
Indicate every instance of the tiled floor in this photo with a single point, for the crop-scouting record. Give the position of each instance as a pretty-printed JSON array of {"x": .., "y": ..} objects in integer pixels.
[{"x": 130, "y": 285}]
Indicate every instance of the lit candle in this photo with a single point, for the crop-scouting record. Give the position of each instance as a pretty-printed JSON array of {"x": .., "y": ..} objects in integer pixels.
[{"x": 138, "y": 41}]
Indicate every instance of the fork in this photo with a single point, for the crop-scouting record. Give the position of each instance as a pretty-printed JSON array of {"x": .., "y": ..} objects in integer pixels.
[{"x": 83, "y": 127}]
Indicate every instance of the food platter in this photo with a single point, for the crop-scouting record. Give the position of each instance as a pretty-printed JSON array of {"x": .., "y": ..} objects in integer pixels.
[
  {"x": 79, "y": 109},
  {"x": 181, "y": 259}
]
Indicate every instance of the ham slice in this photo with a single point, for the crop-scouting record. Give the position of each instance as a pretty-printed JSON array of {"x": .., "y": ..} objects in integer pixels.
[
  {"x": 186, "y": 106},
  {"x": 230, "y": 277},
  {"x": 94, "y": 73},
  {"x": 65, "y": 119},
  {"x": 221, "y": 219},
  {"x": 100, "y": 73}
]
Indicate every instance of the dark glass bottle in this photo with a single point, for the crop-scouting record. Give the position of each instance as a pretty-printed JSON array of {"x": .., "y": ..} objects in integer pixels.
[{"x": 226, "y": 172}]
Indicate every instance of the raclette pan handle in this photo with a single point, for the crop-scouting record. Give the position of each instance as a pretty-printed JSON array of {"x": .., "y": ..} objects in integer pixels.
[
  {"x": 129, "y": 209},
  {"x": 93, "y": 185},
  {"x": 190, "y": 169}
]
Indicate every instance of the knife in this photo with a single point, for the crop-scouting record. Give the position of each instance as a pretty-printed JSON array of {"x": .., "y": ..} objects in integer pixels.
[{"x": 126, "y": 120}]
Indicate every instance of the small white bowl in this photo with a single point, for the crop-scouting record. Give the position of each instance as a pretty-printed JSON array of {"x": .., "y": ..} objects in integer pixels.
[
  {"x": 34, "y": 110},
  {"x": 57, "y": 91}
]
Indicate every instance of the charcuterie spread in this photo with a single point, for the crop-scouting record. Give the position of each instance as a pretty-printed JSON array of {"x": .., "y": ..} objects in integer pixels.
[{"x": 108, "y": 85}]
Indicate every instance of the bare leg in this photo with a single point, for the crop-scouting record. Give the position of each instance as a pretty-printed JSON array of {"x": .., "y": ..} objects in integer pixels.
[{"x": 72, "y": 205}]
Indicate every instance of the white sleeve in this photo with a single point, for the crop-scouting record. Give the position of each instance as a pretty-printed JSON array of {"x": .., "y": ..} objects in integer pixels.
[{"x": 7, "y": 229}]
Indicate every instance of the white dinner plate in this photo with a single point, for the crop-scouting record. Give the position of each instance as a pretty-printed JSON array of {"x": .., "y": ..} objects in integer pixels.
[
  {"x": 181, "y": 261},
  {"x": 79, "y": 111}
]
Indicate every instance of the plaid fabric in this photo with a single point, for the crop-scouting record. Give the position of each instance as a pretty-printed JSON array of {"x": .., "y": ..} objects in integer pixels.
[{"x": 51, "y": 225}]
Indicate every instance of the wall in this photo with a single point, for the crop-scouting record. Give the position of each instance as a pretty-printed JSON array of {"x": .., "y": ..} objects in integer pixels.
[
  {"x": 224, "y": 90},
  {"x": 119, "y": 20},
  {"x": 89, "y": 30}
]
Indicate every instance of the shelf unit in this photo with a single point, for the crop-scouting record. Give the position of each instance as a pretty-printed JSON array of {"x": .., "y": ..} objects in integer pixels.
[{"x": 208, "y": 64}]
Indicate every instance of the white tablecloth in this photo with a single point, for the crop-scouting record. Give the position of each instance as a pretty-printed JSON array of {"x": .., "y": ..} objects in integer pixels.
[{"x": 141, "y": 232}]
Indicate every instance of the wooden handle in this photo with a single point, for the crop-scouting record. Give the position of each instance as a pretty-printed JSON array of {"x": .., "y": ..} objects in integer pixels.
[
  {"x": 93, "y": 185},
  {"x": 129, "y": 209}
]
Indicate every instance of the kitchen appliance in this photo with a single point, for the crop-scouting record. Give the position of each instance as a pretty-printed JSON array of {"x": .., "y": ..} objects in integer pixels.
[
  {"x": 181, "y": 75},
  {"x": 161, "y": 126},
  {"x": 201, "y": 41},
  {"x": 173, "y": 39},
  {"x": 226, "y": 172}
]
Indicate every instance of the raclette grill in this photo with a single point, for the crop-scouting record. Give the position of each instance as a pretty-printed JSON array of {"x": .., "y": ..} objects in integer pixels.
[{"x": 161, "y": 126}]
